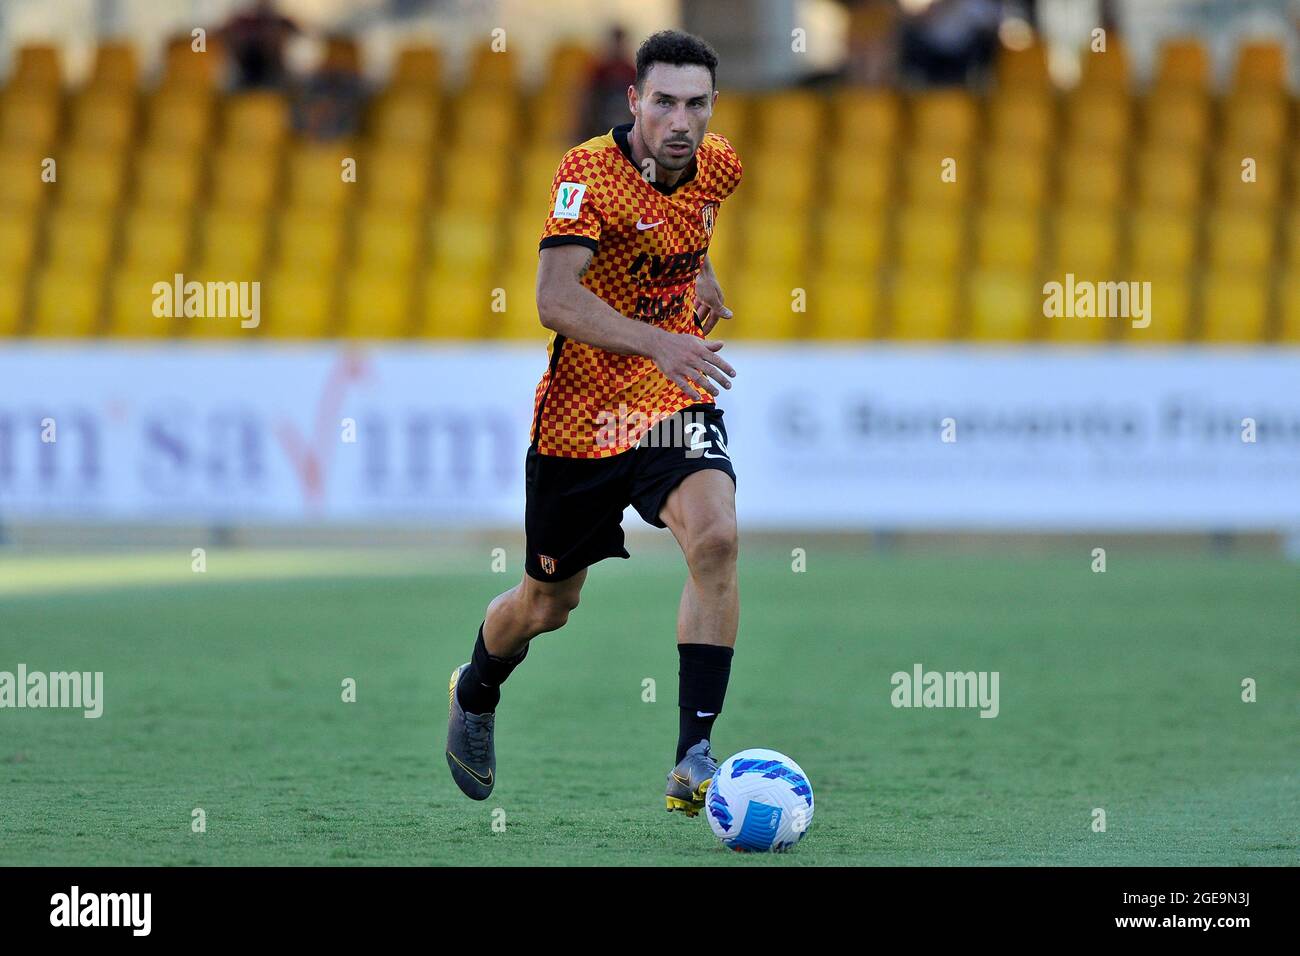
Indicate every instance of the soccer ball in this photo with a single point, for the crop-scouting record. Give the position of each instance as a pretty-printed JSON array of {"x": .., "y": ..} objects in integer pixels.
[{"x": 759, "y": 800}]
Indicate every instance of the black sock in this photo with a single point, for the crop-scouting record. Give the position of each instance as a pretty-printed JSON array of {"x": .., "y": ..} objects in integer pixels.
[
  {"x": 479, "y": 689},
  {"x": 702, "y": 685}
]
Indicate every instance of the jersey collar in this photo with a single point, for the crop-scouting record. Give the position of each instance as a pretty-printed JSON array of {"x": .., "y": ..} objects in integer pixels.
[{"x": 621, "y": 135}]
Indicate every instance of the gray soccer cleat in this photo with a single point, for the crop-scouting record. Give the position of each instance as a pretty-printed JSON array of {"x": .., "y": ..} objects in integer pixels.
[
  {"x": 470, "y": 753},
  {"x": 689, "y": 780}
]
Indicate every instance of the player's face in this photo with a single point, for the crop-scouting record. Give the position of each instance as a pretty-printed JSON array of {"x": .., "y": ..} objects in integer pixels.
[{"x": 672, "y": 112}]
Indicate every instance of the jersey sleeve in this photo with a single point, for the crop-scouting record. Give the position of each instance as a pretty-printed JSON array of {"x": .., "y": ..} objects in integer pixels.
[
  {"x": 727, "y": 169},
  {"x": 576, "y": 207}
]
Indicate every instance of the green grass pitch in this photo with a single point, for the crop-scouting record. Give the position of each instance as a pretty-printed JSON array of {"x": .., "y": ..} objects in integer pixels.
[{"x": 223, "y": 692}]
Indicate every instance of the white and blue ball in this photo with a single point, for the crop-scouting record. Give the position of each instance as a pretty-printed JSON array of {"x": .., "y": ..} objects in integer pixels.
[{"x": 759, "y": 801}]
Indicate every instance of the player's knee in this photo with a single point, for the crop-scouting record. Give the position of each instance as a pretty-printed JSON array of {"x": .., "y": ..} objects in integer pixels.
[
  {"x": 550, "y": 612},
  {"x": 713, "y": 549}
]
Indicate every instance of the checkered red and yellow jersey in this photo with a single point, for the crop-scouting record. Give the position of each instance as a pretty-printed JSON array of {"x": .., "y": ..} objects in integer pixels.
[{"x": 649, "y": 246}]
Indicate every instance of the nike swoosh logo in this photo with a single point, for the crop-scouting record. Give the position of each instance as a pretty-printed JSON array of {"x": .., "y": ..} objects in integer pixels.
[
  {"x": 486, "y": 781},
  {"x": 649, "y": 225}
]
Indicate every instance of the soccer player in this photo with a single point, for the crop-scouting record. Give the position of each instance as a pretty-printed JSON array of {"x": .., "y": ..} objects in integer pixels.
[{"x": 625, "y": 284}]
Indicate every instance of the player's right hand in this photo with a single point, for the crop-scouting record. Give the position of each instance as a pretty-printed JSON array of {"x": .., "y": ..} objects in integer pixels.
[{"x": 692, "y": 364}]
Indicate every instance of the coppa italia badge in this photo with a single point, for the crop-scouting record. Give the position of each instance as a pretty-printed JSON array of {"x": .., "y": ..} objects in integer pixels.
[{"x": 706, "y": 216}]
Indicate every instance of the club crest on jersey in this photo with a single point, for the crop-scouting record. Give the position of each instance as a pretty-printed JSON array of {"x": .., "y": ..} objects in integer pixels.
[
  {"x": 568, "y": 200},
  {"x": 547, "y": 562},
  {"x": 706, "y": 216}
]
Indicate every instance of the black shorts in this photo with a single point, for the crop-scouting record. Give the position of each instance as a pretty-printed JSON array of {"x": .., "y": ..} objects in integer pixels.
[{"x": 574, "y": 510}]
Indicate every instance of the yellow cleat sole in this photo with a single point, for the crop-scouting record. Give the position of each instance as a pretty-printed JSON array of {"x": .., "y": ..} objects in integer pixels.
[{"x": 691, "y": 807}]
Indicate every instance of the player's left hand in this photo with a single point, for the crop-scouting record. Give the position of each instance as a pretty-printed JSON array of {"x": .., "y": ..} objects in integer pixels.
[{"x": 708, "y": 302}]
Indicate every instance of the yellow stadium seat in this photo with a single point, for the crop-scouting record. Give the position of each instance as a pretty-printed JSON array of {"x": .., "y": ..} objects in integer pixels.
[
  {"x": 517, "y": 298},
  {"x": 1008, "y": 239},
  {"x": 791, "y": 120},
  {"x": 190, "y": 69},
  {"x": 66, "y": 303},
  {"x": 851, "y": 242},
  {"x": 1067, "y": 325},
  {"x": 937, "y": 177},
  {"x": 522, "y": 235},
  {"x": 486, "y": 119},
  {"x": 104, "y": 119},
  {"x": 91, "y": 178},
  {"x": 457, "y": 303},
  {"x": 1098, "y": 119},
  {"x": 418, "y": 66},
  {"x": 924, "y": 304},
  {"x": 17, "y": 241},
  {"x": 1236, "y": 306},
  {"x": 29, "y": 119},
  {"x": 1107, "y": 70},
  {"x": 946, "y": 119},
  {"x": 167, "y": 178},
  {"x": 930, "y": 238},
  {"x": 1240, "y": 239},
  {"x": 1163, "y": 240},
  {"x": 310, "y": 238},
  {"x": 1255, "y": 122},
  {"x": 864, "y": 182},
  {"x": 1169, "y": 177},
  {"x": 232, "y": 243},
  {"x": 493, "y": 69},
  {"x": 407, "y": 118},
  {"x": 475, "y": 180},
  {"x": 538, "y": 173},
  {"x": 1169, "y": 310},
  {"x": 865, "y": 120},
  {"x": 1023, "y": 121},
  {"x": 1248, "y": 182},
  {"x": 775, "y": 240},
  {"x": 778, "y": 183},
  {"x": 377, "y": 304},
  {"x": 80, "y": 239},
  {"x": 1260, "y": 66},
  {"x": 1177, "y": 119},
  {"x": 244, "y": 178},
  {"x": 258, "y": 120},
  {"x": 469, "y": 243},
  {"x": 1184, "y": 63},
  {"x": 1291, "y": 228},
  {"x": 13, "y": 288},
  {"x": 845, "y": 306},
  {"x": 132, "y": 303},
  {"x": 314, "y": 176},
  {"x": 554, "y": 121},
  {"x": 725, "y": 245},
  {"x": 21, "y": 185},
  {"x": 156, "y": 238},
  {"x": 1092, "y": 179},
  {"x": 1289, "y": 330},
  {"x": 731, "y": 117},
  {"x": 36, "y": 67},
  {"x": 179, "y": 120},
  {"x": 299, "y": 303},
  {"x": 568, "y": 66},
  {"x": 1087, "y": 241},
  {"x": 763, "y": 306},
  {"x": 395, "y": 177},
  {"x": 1023, "y": 68},
  {"x": 115, "y": 67},
  {"x": 1013, "y": 178},
  {"x": 1005, "y": 305},
  {"x": 387, "y": 240}
]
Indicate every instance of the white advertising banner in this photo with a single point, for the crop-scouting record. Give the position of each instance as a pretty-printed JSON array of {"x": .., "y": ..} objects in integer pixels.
[{"x": 832, "y": 438}]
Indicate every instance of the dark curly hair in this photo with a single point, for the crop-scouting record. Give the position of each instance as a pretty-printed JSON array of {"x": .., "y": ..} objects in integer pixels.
[{"x": 676, "y": 49}]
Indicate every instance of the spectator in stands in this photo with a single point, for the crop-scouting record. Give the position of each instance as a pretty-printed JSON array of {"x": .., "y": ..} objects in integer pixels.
[
  {"x": 873, "y": 43},
  {"x": 950, "y": 41},
  {"x": 255, "y": 40},
  {"x": 329, "y": 104},
  {"x": 611, "y": 75}
]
